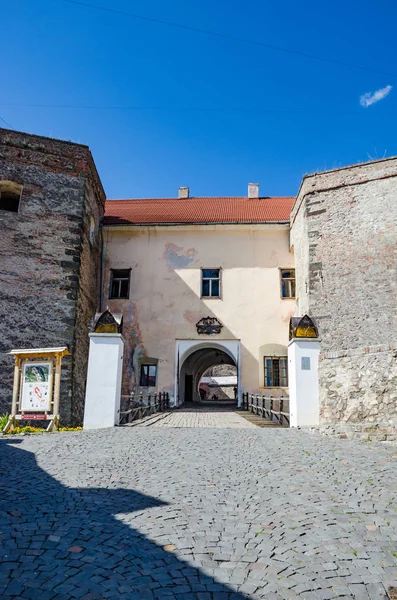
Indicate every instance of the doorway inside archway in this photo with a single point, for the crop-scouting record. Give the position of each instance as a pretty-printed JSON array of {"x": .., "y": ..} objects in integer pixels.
[{"x": 199, "y": 372}]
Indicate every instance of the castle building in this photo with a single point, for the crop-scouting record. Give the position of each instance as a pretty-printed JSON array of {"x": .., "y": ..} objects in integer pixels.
[{"x": 201, "y": 282}]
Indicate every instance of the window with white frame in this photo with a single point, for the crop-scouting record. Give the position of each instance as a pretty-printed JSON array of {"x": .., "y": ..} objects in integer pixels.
[
  {"x": 210, "y": 283},
  {"x": 276, "y": 371},
  {"x": 119, "y": 283}
]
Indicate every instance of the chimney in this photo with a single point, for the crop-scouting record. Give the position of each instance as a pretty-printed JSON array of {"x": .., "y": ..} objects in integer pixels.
[
  {"x": 183, "y": 192},
  {"x": 253, "y": 190}
]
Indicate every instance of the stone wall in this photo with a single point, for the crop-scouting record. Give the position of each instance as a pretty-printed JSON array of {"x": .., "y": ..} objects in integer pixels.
[
  {"x": 87, "y": 294},
  {"x": 221, "y": 371},
  {"x": 49, "y": 269},
  {"x": 343, "y": 230},
  {"x": 223, "y": 393},
  {"x": 359, "y": 385}
]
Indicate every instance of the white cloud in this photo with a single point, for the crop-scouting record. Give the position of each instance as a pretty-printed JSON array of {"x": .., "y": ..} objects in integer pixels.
[{"x": 370, "y": 98}]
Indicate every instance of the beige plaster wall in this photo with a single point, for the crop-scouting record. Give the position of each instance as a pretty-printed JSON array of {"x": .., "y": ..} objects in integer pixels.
[{"x": 165, "y": 304}]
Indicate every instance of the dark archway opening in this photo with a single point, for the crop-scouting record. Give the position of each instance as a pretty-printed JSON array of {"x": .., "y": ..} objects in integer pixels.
[
  {"x": 199, "y": 376},
  {"x": 10, "y": 195},
  {"x": 9, "y": 201}
]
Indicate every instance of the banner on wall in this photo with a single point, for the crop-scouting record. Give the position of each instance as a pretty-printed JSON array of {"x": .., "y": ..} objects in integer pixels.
[{"x": 36, "y": 386}]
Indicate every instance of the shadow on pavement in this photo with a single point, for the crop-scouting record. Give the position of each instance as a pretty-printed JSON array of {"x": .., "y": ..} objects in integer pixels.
[{"x": 61, "y": 543}]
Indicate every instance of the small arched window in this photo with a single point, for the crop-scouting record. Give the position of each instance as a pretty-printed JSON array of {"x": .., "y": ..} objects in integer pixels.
[
  {"x": 92, "y": 231},
  {"x": 10, "y": 196}
]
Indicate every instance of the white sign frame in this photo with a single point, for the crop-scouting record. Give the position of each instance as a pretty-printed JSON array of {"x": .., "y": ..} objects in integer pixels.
[{"x": 36, "y": 394}]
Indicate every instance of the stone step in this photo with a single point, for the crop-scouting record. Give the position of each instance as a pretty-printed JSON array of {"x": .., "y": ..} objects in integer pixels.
[
  {"x": 256, "y": 419},
  {"x": 148, "y": 420}
]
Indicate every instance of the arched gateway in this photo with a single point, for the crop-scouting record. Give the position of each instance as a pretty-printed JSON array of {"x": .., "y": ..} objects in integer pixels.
[{"x": 194, "y": 357}]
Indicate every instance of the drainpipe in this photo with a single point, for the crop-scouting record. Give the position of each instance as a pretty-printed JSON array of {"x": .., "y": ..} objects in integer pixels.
[{"x": 102, "y": 267}]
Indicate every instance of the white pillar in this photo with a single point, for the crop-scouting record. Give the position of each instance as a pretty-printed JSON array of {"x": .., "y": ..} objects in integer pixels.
[
  {"x": 105, "y": 367},
  {"x": 303, "y": 382}
]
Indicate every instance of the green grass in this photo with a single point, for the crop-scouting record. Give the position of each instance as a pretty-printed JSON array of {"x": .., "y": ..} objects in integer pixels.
[{"x": 3, "y": 421}]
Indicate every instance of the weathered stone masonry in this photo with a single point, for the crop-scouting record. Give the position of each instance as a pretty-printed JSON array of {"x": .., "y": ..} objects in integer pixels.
[
  {"x": 344, "y": 234},
  {"x": 50, "y": 257}
]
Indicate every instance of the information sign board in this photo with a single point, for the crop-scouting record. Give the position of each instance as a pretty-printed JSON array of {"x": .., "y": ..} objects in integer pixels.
[{"x": 36, "y": 386}]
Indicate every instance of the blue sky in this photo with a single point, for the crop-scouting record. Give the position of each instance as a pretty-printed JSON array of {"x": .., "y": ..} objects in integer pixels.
[{"x": 295, "y": 114}]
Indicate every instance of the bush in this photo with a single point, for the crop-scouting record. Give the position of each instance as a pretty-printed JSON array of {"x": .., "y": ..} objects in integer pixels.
[
  {"x": 3, "y": 421},
  {"x": 70, "y": 429},
  {"x": 29, "y": 429},
  {"x": 25, "y": 429}
]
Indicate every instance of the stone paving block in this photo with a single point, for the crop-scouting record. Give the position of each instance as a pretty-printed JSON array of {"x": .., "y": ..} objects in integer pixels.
[
  {"x": 13, "y": 589},
  {"x": 341, "y": 590},
  {"x": 375, "y": 589},
  {"x": 47, "y": 595},
  {"x": 248, "y": 588},
  {"x": 325, "y": 594}
]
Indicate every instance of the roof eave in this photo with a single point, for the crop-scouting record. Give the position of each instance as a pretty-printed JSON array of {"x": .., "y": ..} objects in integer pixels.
[{"x": 162, "y": 224}]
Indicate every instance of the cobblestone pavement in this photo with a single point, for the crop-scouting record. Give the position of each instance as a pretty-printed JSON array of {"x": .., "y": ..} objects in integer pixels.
[
  {"x": 202, "y": 417},
  {"x": 152, "y": 513}
]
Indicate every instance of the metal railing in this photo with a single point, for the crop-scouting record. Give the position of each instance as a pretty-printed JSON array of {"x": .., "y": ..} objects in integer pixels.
[
  {"x": 141, "y": 406},
  {"x": 267, "y": 407}
]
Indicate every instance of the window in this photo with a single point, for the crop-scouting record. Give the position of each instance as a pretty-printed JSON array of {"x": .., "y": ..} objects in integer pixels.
[
  {"x": 120, "y": 283},
  {"x": 288, "y": 283},
  {"x": 210, "y": 283},
  {"x": 92, "y": 231},
  {"x": 10, "y": 195},
  {"x": 148, "y": 376},
  {"x": 276, "y": 371}
]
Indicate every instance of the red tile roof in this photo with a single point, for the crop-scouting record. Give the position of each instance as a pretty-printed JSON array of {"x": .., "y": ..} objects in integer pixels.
[{"x": 198, "y": 210}]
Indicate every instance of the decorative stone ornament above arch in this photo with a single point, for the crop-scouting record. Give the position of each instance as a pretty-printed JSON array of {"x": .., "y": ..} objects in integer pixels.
[
  {"x": 209, "y": 326},
  {"x": 107, "y": 322},
  {"x": 302, "y": 327}
]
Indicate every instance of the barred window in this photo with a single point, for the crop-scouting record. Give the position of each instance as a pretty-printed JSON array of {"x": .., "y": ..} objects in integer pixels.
[
  {"x": 287, "y": 283},
  {"x": 276, "y": 371}
]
